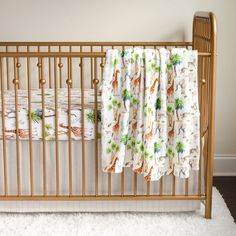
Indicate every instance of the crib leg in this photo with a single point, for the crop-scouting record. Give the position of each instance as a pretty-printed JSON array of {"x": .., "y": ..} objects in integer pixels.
[
  {"x": 209, "y": 183},
  {"x": 208, "y": 205}
]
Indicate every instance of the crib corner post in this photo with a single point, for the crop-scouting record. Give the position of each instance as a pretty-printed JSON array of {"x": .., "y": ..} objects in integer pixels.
[{"x": 212, "y": 87}]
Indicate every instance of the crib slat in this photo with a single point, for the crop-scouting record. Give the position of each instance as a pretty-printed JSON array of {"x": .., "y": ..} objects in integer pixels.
[
  {"x": 173, "y": 185},
  {"x": 60, "y": 65},
  {"x": 207, "y": 134},
  {"x": 187, "y": 179},
  {"x": 135, "y": 174},
  {"x": 49, "y": 69},
  {"x": 161, "y": 186},
  {"x": 42, "y": 84},
  {"x": 3, "y": 131},
  {"x": 148, "y": 188},
  {"x": 123, "y": 169},
  {"x": 109, "y": 183},
  {"x": 39, "y": 66},
  {"x": 71, "y": 66},
  {"x": 95, "y": 83},
  {"x": 109, "y": 174},
  {"x": 56, "y": 127},
  {"x": 82, "y": 124},
  {"x": 91, "y": 67},
  {"x": 122, "y": 187},
  {"x": 135, "y": 184},
  {"x": 7, "y": 68},
  {"x": 102, "y": 64},
  {"x": 69, "y": 83},
  {"x": 16, "y": 86},
  {"x": 186, "y": 187},
  {"x": 30, "y": 125},
  {"x": 200, "y": 73}
]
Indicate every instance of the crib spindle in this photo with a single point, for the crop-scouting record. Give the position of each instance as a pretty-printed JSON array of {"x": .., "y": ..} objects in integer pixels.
[
  {"x": 69, "y": 85},
  {"x": 8, "y": 69},
  {"x": 3, "y": 131},
  {"x": 16, "y": 87},
  {"x": 60, "y": 65},
  {"x": 56, "y": 127},
  {"x": 161, "y": 186},
  {"x": 122, "y": 182},
  {"x": 95, "y": 83},
  {"x": 173, "y": 185},
  {"x": 49, "y": 69},
  {"x": 135, "y": 184},
  {"x": 82, "y": 124},
  {"x": 71, "y": 66},
  {"x": 135, "y": 174},
  {"x": 39, "y": 67},
  {"x": 42, "y": 85},
  {"x": 109, "y": 184},
  {"x": 186, "y": 187},
  {"x": 102, "y": 64},
  {"x": 91, "y": 67},
  {"x": 200, "y": 74},
  {"x": 30, "y": 125},
  {"x": 187, "y": 179}
]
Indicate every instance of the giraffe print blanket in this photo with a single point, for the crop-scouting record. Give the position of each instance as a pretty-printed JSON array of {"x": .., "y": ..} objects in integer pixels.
[{"x": 150, "y": 112}]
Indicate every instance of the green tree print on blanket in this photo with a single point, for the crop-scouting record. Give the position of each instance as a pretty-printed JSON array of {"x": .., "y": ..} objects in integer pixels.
[
  {"x": 179, "y": 105},
  {"x": 179, "y": 149},
  {"x": 175, "y": 60},
  {"x": 157, "y": 147},
  {"x": 158, "y": 104},
  {"x": 36, "y": 116},
  {"x": 126, "y": 97},
  {"x": 90, "y": 116},
  {"x": 47, "y": 129}
]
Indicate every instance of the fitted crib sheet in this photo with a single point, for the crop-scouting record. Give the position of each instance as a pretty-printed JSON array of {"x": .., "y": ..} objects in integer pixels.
[{"x": 49, "y": 111}]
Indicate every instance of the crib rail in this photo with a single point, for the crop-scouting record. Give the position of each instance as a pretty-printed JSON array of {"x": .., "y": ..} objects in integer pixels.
[
  {"x": 81, "y": 65},
  {"x": 70, "y": 54}
]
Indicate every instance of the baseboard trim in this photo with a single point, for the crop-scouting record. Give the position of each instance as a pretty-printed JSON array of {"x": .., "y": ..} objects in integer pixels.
[{"x": 225, "y": 165}]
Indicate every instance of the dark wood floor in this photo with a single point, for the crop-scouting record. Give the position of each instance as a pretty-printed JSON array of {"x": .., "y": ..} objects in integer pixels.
[{"x": 227, "y": 187}]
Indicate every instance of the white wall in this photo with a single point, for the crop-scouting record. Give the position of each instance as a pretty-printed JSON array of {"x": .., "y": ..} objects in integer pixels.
[{"x": 133, "y": 20}]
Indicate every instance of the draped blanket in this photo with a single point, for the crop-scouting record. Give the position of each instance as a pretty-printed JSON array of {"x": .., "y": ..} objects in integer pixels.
[{"x": 150, "y": 113}]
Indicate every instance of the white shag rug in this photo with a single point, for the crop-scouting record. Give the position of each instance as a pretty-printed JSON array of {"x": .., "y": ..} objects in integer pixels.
[{"x": 112, "y": 224}]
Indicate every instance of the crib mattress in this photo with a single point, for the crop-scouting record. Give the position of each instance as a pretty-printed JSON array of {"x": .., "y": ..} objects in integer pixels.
[{"x": 49, "y": 111}]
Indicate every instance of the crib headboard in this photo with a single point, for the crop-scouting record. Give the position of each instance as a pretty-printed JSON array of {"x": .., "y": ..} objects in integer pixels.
[{"x": 204, "y": 40}]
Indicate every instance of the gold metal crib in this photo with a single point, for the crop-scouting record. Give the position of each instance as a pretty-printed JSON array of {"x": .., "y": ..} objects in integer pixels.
[{"x": 69, "y": 65}]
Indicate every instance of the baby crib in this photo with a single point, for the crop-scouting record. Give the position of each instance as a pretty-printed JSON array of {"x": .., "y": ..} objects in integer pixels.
[{"x": 52, "y": 170}]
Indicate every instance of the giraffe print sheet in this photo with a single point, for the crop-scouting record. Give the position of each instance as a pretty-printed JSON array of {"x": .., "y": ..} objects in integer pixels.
[
  {"x": 49, "y": 113},
  {"x": 150, "y": 112}
]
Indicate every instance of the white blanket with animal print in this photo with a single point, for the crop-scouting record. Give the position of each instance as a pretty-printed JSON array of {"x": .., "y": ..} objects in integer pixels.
[{"x": 150, "y": 112}]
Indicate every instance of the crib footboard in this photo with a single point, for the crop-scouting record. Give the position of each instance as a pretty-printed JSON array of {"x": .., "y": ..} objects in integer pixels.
[{"x": 55, "y": 89}]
